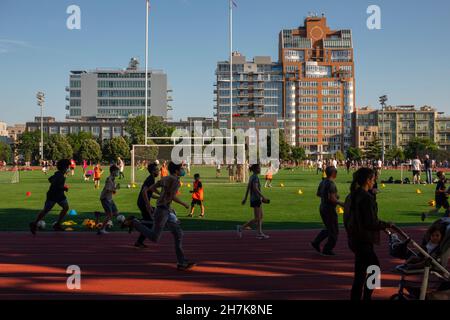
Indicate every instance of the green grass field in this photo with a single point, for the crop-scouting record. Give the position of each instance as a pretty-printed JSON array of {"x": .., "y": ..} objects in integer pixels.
[{"x": 287, "y": 210}]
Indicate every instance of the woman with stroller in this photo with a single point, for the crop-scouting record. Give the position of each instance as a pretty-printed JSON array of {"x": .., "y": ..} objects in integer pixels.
[{"x": 363, "y": 229}]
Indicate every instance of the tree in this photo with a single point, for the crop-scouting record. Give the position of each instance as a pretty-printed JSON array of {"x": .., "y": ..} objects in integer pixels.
[
  {"x": 354, "y": 154},
  {"x": 395, "y": 153},
  {"x": 90, "y": 151},
  {"x": 76, "y": 141},
  {"x": 339, "y": 156},
  {"x": 29, "y": 145},
  {"x": 114, "y": 148},
  {"x": 57, "y": 147},
  {"x": 135, "y": 127},
  {"x": 5, "y": 152},
  {"x": 298, "y": 154},
  {"x": 420, "y": 147},
  {"x": 285, "y": 148},
  {"x": 373, "y": 150}
]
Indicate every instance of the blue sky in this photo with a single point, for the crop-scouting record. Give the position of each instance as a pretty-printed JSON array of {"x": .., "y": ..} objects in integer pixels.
[{"x": 408, "y": 59}]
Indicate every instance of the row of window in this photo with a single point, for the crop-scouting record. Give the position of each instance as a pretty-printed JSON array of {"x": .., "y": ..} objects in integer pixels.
[
  {"x": 122, "y": 75},
  {"x": 122, "y": 84},
  {"x": 120, "y": 112},
  {"x": 122, "y": 103},
  {"x": 123, "y": 93}
]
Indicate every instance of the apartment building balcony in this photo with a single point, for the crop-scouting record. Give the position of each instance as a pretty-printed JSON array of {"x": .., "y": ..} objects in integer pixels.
[{"x": 67, "y": 89}]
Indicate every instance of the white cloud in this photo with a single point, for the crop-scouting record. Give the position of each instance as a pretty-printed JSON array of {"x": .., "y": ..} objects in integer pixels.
[{"x": 8, "y": 45}]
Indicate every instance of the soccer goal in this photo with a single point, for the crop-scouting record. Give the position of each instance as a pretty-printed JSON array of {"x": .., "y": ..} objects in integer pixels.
[
  {"x": 199, "y": 155},
  {"x": 9, "y": 175}
]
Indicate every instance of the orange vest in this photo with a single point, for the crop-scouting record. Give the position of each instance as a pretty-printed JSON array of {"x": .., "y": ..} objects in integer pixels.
[
  {"x": 198, "y": 192},
  {"x": 164, "y": 172}
]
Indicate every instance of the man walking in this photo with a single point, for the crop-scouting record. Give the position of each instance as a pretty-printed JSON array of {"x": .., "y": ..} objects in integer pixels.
[
  {"x": 428, "y": 165},
  {"x": 329, "y": 199}
]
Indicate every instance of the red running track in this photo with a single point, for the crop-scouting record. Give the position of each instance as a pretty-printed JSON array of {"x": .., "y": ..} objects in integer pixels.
[{"x": 282, "y": 267}]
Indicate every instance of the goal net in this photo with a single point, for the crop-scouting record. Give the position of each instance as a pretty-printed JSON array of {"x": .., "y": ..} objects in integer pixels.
[
  {"x": 9, "y": 175},
  {"x": 212, "y": 161}
]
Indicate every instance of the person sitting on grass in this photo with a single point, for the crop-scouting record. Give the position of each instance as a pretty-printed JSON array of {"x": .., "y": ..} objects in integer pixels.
[
  {"x": 55, "y": 195},
  {"x": 441, "y": 197},
  {"x": 163, "y": 215},
  {"x": 106, "y": 198},
  {"x": 256, "y": 201},
  {"x": 197, "y": 196}
]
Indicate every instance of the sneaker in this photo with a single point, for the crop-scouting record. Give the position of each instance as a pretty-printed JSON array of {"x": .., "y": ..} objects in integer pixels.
[
  {"x": 316, "y": 247},
  {"x": 201, "y": 216},
  {"x": 239, "y": 231},
  {"x": 140, "y": 245},
  {"x": 128, "y": 223},
  {"x": 423, "y": 216},
  {"x": 262, "y": 236},
  {"x": 102, "y": 231},
  {"x": 328, "y": 253},
  {"x": 33, "y": 228},
  {"x": 185, "y": 266},
  {"x": 190, "y": 215}
]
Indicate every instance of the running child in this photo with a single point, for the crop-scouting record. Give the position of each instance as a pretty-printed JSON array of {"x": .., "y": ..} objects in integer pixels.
[
  {"x": 256, "y": 201},
  {"x": 85, "y": 165},
  {"x": 163, "y": 214},
  {"x": 441, "y": 197},
  {"x": 197, "y": 196},
  {"x": 269, "y": 178},
  {"x": 97, "y": 176},
  {"x": 106, "y": 198},
  {"x": 121, "y": 165},
  {"x": 164, "y": 171},
  {"x": 143, "y": 202},
  {"x": 55, "y": 195}
]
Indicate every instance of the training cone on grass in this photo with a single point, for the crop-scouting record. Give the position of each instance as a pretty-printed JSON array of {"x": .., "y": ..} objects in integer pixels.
[
  {"x": 340, "y": 210},
  {"x": 300, "y": 191},
  {"x": 72, "y": 212},
  {"x": 432, "y": 203},
  {"x": 189, "y": 185},
  {"x": 418, "y": 191},
  {"x": 28, "y": 194},
  {"x": 282, "y": 185},
  {"x": 383, "y": 185}
]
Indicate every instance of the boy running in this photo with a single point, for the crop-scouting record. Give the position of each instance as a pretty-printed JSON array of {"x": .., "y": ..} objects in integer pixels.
[
  {"x": 441, "y": 197},
  {"x": 106, "y": 198},
  {"x": 256, "y": 201},
  {"x": 97, "y": 175},
  {"x": 161, "y": 216},
  {"x": 55, "y": 195},
  {"x": 143, "y": 202},
  {"x": 72, "y": 167},
  {"x": 121, "y": 165},
  {"x": 197, "y": 196}
]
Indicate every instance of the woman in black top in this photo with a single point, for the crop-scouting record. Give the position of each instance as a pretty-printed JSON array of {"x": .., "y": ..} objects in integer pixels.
[{"x": 363, "y": 229}]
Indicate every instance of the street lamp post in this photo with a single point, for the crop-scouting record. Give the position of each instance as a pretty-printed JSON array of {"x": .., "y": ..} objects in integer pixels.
[
  {"x": 40, "y": 102},
  {"x": 147, "y": 9},
  {"x": 383, "y": 100}
]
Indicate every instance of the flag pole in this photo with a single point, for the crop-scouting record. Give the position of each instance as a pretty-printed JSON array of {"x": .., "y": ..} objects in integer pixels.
[
  {"x": 231, "y": 70},
  {"x": 147, "y": 7}
]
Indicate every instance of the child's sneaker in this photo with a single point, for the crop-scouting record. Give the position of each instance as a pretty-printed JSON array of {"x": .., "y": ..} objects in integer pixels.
[
  {"x": 262, "y": 236},
  {"x": 185, "y": 266}
]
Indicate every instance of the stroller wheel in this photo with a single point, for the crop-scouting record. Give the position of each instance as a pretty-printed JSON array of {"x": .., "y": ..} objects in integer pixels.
[{"x": 398, "y": 297}]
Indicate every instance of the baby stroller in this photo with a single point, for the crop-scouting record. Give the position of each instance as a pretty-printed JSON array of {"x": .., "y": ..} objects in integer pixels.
[{"x": 434, "y": 270}]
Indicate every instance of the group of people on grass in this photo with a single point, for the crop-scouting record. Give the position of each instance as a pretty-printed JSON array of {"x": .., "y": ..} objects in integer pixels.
[{"x": 360, "y": 211}]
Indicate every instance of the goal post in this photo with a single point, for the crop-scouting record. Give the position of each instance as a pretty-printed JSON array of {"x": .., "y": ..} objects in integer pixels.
[
  {"x": 9, "y": 175},
  {"x": 194, "y": 154}
]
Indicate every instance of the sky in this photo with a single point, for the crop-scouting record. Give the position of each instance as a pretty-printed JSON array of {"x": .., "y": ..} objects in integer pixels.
[{"x": 407, "y": 59}]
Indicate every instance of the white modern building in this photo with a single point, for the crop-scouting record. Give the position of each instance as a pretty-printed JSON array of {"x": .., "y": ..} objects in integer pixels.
[{"x": 117, "y": 93}]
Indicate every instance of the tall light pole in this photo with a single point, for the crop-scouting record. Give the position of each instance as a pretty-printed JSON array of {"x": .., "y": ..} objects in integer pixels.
[
  {"x": 383, "y": 100},
  {"x": 231, "y": 3},
  {"x": 40, "y": 102},
  {"x": 147, "y": 9}
]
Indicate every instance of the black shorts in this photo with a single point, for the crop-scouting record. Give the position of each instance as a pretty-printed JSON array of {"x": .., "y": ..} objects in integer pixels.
[
  {"x": 255, "y": 203},
  {"x": 442, "y": 203},
  {"x": 145, "y": 214},
  {"x": 196, "y": 202},
  {"x": 416, "y": 173}
]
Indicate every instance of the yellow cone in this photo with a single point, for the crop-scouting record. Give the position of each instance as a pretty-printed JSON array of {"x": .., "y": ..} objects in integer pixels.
[
  {"x": 300, "y": 192},
  {"x": 340, "y": 210},
  {"x": 418, "y": 191},
  {"x": 188, "y": 185},
  {"x": 383, "y": 185},
  {"x": 282, "y": 185}
]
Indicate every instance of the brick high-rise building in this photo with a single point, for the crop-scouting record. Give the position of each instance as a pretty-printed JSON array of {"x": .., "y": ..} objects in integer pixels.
[{"x": 319, "y": 84}]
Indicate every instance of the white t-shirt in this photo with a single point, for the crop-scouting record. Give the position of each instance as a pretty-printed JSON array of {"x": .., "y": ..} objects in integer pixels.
[
  {"x": 416, "y": 165},
  {"x": 335, "y": 163},
  {"x": 380, "y": 164}
]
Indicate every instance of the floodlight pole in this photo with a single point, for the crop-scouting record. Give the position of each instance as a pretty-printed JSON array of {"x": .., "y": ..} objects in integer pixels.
[
  {"x": 383, "y": 100},
  {"x": 40, "y": 102},
  {"x": 147, "y": 8},
  {"x": 231, "y": 70}
]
